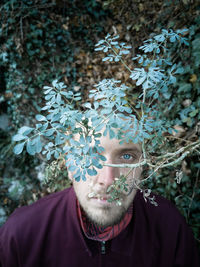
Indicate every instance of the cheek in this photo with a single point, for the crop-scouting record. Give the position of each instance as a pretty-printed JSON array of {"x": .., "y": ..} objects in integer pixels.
[
  {"x": 81, "y": 187},
  {"x": 134, "y": 174},
  {"x": 127, "y": 171},
  {"x": 137, "y": 173}
]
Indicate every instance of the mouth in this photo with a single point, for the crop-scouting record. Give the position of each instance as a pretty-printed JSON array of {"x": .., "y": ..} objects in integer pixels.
[
  {"x": 104, "y": 199},
  {"x": 100, "y": 202},
  {"x": 99, "y": 198}
]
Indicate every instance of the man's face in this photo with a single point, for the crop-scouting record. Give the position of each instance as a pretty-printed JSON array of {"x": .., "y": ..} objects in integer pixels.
[{"x": 97, "y": 208}]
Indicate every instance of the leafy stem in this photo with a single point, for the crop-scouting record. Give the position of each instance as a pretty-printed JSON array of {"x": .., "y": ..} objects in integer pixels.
[{"x": 116, "y": 54}]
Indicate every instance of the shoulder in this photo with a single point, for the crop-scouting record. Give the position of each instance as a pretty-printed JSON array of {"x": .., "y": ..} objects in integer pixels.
[
  {"x": 31, "y": 227},
  {"x": 166, "y": 229},
  {"x": 155, "y": 204},
  {"x": 163, "y": 222},
  {"x": 47, "y": 202},
  {"x": 164, "y": 214},
  {"x": 40, "y": 211}
]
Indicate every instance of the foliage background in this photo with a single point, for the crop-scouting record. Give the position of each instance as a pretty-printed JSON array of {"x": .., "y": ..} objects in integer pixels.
[{"x": 46, "y": 39}]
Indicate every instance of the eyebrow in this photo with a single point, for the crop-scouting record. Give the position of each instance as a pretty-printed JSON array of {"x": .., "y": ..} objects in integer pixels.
[{"x": 125, "y": 149}]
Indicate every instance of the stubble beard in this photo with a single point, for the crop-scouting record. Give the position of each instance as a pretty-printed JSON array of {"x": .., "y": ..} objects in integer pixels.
[
  {"x": 107, "y": 215},
  {"x": 104, "y": 216}
]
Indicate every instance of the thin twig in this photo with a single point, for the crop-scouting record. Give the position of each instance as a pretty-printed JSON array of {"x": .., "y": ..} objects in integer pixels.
[{"x": 162, "y": 165}]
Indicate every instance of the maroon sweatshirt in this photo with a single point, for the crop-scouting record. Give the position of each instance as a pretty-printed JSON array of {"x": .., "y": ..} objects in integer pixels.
[{"x": 47, "y": 234}]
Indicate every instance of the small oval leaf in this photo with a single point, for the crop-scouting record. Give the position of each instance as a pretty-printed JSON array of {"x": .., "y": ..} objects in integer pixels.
[
  {"x": 18, "y": 148},
  {"x": 40, "y": 117},
  {"x": 19, "y": 137}
]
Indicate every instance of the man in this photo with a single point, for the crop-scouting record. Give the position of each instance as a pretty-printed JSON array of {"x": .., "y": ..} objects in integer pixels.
[{"x": 79, "y": 227}]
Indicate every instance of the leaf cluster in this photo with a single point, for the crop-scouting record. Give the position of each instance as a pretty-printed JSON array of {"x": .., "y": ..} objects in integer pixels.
[{"x": 74, "y": 134}]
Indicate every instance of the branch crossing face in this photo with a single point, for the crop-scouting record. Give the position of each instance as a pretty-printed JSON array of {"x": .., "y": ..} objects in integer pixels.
[{"x": 63, "y": 131}]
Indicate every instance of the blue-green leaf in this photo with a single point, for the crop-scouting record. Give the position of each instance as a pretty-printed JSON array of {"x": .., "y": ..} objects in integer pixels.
[
  {"x": 38, "y": 144},
  {"x": 95, "y": 162},
  {"x": 30, "y": 148},
  {"x": 19, "y": 137},
  {"x": 102, "y": 157},
  {"x": 40, "y": 117},
  {"x": 49, "y": 132},
  {"x": 87, "y": 105},
  {"x": 56, "y": 154},
  {"x": 180, "y": 70},
  {"x": 25, "y": 130},
  {"x": 92, "y": 172},
  {"x": 86, "y": 149},
  {"x": 55, "y": 83},
  {"x": 18, "y": 148},
  {"x": 111, "y": 133},
  {"x": 72, "y": 168},
  {"x": 107, "y": 58},
  {"x": 48, "y": 155}
]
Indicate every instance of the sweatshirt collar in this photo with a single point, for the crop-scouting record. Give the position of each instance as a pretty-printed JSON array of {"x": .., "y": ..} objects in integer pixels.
[{"x": 119, "y": 244}]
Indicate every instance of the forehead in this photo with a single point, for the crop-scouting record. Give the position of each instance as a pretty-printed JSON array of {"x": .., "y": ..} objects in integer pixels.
[{"x": 114, "y": 145}]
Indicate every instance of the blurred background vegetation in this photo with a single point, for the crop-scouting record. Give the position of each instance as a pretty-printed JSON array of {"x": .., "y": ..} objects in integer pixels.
[{"x": 46, "y": 39}]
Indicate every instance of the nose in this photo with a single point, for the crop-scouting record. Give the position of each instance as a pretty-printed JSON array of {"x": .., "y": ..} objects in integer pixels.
[{"x": 106, "y": 176}]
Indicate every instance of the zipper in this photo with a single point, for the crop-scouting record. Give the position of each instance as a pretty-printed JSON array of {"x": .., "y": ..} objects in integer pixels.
[{"x": 103, "y": 247}]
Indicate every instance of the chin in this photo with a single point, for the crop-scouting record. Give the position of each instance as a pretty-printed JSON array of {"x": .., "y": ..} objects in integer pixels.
[{"x": 105, "y": 216}]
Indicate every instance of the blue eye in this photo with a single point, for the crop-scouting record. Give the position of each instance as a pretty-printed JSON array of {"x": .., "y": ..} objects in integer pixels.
[{"x": 126, "y": 156}]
